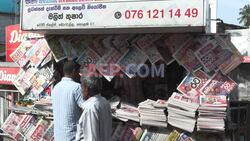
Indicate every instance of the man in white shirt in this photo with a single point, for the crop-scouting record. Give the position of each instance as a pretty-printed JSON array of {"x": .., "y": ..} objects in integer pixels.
[{"x": 95, "y": 123}]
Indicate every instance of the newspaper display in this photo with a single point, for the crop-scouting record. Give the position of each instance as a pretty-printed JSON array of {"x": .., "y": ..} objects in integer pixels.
[
  {"x": 19, "y": 56},
  {"x": 192, "y": 83},
  {"x": 104, "y": 51},
  {"x": 39, "y": 130},
  {"x": 22, "y": 81},
  {"x": 185, "y": 56},
  {"x": 218, "y": 84},
  {"x": 38, "y": 52},
  {"x": 9, "y": 126},
  {"x": 49, "y": 134},
  {"x": 27, "y": 125},
  {"x": 56, "y": 49},
  {"x": 134, "y": 56}
]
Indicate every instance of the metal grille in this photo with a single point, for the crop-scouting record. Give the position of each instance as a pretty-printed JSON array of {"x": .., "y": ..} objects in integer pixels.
[{"x": 7, "y": 98}]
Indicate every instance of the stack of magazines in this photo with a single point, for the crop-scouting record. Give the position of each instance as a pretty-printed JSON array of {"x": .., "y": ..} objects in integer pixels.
[
  {"x": 181, "y": 112},
  {"x": 153, "y": 113},
  {"x": 212, "y": 113}
]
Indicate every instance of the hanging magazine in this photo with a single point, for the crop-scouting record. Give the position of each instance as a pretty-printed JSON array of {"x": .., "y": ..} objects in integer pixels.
[
  {"x": 38, "y": 52},
  {"x": 68, "y": 49},
  {"x": 214, "y": 53},
  {"x": 78, "y": 47},
  {"x": 233, "y": 62},
  {"x": 87, "y": 58},
  {"x": 134, "y": 57},
  {"x": 10, "y": 124},
  {"x": 47, "y": 60},
  {"x": 147, "y": 46},
  {"x": 185, "y": 56},
  {"x": 152, "y": 53},
  {"x": 121, "y": 40},
  {"x": 174, "y": 41},
  {"x": 163, "y": 49},
  {"x": 218, "y": 84},
  {"x": 56, "y": 49},
  {"x": 147, "y": 40},
  {"x": 40, "y": 81},
  {"x": 109, "y": 60},
  {"x": 96, "y": 44},
  {"x": 20, "y": 56},
  {"x": 22, "y": 81},
  {"x": 108, "y": 43},
  {"x": 192, "y": 83}
]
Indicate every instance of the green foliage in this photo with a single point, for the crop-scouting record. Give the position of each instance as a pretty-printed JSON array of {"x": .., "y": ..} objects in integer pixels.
[{"x": 245, "y": 15}]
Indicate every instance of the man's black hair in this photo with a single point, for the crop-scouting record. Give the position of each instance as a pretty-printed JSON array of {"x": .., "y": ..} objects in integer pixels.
[{"x": 70, "y": 67}]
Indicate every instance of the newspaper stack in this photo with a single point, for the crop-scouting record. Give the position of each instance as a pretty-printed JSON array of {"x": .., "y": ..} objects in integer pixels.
[
  {"x": 153, "y": 113},
  {"x": 44, "y": 105},
  {"x": 127, "y": 112},
  {"x": 181, "y": 112},
  {"x": 212, "y": 113}
]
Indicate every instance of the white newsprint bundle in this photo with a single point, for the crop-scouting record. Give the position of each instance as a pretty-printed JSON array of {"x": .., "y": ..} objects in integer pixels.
[
  {"x": 127, "y": 112},
  {"x": 153, "y": 113},
  {"x": 212, "y": 113},
  {"x": 181, "y": 112}
]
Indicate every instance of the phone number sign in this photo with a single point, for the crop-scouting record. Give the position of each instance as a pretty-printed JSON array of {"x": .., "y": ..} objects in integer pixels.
[{"x": 112, "y": 14}]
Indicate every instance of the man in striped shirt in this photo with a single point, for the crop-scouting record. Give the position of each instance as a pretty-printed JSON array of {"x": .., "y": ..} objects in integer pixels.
[{"x": 67, "y": 103}]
